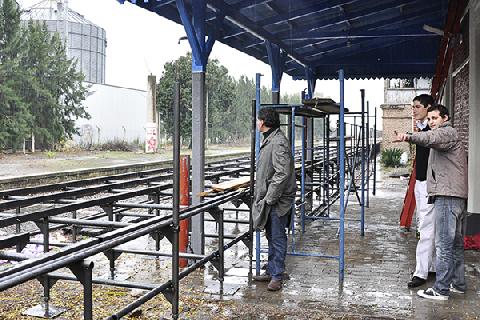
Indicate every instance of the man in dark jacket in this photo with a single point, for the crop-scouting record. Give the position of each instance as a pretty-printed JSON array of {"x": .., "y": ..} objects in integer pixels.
[
  {"x": 425, "y": 252},
  {"x": 275, "y": 189},
  {"x": 447, "y": 186}
]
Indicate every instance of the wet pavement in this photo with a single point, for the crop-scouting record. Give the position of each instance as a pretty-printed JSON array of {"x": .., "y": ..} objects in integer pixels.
[
  {"x": 378, "y": 266},
  {"x": 377, "y": 269}
]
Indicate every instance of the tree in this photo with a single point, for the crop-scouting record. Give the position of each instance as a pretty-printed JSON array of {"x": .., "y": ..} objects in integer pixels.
[
  {"x": 56, "y": 89},
  {"x": 221, "y": 95},
  {"x": 178, "y": 70},
  {"x": 14, "y": 114},
  {"x": 244, "y": 94},
  {"x": 40, "y": 90}
]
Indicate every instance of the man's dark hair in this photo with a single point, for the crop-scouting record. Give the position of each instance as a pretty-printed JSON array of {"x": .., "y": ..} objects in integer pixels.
[
  {"x": 270, "y": 117},
  {"x": 424, "y": 99},
  {"x": 442, "y": 110}
]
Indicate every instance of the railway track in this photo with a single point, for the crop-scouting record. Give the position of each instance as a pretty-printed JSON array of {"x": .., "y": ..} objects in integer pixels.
[{"x": 125, "y": 207}]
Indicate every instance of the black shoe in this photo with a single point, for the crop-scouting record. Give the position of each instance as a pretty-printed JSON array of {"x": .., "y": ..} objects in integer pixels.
[
  {"x": 416, "y": 282},
  {"x": 262, "y": 277}
]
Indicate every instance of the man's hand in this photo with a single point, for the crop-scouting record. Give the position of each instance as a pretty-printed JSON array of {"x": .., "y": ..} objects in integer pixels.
[{"x": 400, "y": 137}]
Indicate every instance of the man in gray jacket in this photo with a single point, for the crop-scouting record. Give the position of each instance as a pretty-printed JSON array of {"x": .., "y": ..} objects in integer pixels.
[
  {"x": 275, "y": 189},
  {"x": 447, "y": 189}
]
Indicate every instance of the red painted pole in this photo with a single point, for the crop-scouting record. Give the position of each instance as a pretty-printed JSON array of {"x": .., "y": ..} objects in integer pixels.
[
  {"x": 409, "y": 202},
  {"x": 184, "y": 201}
]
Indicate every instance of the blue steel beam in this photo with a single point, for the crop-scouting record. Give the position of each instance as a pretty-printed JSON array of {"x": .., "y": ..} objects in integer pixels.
[
  {"x": 379, "y": 29},
  {"x": 311, "y": 82},
  {"x": 350, "y": 52},
  {"x": 191, "y": 34},
  {"x": 355, "y": 46},
  {"x": 317, "y": 8},
  {"x": 276, "y": 59},
  {"x": 342, "y": 178},
  {"x": 386, "y": 11},
  {"x": 241, "y": 21},
  {"x": 196, "y": 33}
]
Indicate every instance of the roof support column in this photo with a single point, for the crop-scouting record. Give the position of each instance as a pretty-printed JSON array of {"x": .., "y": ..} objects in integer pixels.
[
  {"x": 276, "y": 59},
  {"x": 195, "y": 29},
  {"x": 311, "y": 82}
]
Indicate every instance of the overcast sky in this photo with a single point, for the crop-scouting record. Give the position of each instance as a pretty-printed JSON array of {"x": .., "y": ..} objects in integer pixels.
[{"x": 141, "y": 42}]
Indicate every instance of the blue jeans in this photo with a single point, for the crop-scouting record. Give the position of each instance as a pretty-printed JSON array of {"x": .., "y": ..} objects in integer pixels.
[
  {"x": 449, "y": 234},
  {"x": 277, "y": 243}
]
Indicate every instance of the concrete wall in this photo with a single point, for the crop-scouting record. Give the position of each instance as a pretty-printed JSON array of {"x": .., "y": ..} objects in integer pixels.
[
  {"x": 396, "y": 117},
  {"x": 117, "y": 114}
]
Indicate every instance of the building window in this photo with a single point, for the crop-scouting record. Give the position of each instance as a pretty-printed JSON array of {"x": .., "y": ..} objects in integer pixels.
[{"x": 401, "y": 83}]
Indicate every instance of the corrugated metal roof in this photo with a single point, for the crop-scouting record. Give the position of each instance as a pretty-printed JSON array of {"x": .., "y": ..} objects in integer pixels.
[{"x": 367, "y": 38}]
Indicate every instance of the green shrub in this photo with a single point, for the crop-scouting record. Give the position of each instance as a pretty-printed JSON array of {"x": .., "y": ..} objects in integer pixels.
[
  {"x": 51, "y": 154},
  {"x": 391, "y": 157}
]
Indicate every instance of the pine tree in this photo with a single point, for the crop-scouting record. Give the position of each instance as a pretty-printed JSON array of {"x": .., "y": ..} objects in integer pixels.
[
  {"x": 15, "y": 118},
  {"x": 56, "y": 93},
  {"x": 40, "y": 90}
]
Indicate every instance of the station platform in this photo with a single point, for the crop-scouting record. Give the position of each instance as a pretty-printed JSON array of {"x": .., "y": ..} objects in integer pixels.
[{"x": 377, "y": 269}]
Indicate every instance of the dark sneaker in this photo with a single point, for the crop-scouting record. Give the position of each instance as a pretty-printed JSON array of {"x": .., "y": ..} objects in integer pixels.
[
  {"x": 416, "y": 282},
  {"x": 262, "y": 277},
  {"x": 455, "y": 290},
  {"x": 274, "y": 285},
  {"x": 432, "y": 295}
]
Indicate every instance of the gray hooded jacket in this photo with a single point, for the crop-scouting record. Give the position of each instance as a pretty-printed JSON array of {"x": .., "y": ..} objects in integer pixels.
[
  {"x": 275, "y": 179},
  {"x": 447, "y": 164}
]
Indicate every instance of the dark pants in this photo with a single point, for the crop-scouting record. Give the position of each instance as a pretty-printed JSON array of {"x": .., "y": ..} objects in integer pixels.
[{"x": 277, "y": 243}]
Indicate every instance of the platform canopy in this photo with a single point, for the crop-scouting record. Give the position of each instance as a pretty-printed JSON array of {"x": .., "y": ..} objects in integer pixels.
[{"x": 367, "y": 38}]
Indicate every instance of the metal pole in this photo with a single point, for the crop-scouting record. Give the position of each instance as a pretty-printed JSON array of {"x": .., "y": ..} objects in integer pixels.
[
  {"x": 176, "y": 200},
  {"x": 354, "y": 153},
  {"x": 45, "y": 231},
  {"x": 253, "y": 131},
  {"x": 221, "y": 252},
  {"x": 257, "y": 151},
  {"x": 375, "y": 154},
  {"x": 368, "y": 155},
  {"x": 293, "y": 153},
  {"x": 362, "y": 157},
  {"x": 18, "y": 228},
  {"x": 342, "y": 180},
  {"x": 184, "y": 201},
  {"x": 327, "y": 171},
  {"x": 74, "y": 228},
  {"x": 87, "y": 291},
  {"x": 198, "y": 158},
  {"x": 302, "y": 181}
]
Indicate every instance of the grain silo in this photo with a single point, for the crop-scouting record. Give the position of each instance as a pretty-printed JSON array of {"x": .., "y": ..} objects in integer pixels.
[{"x": 86, "y": 42}]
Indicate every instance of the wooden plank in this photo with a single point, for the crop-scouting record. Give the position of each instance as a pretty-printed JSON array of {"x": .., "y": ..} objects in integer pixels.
[{"x": 228, "y": 185}]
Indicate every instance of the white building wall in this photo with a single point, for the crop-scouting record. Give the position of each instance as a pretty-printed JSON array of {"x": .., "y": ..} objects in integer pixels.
[
  {"x": 116, "y": 114},
  {"x": 396, "y": 94}
]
